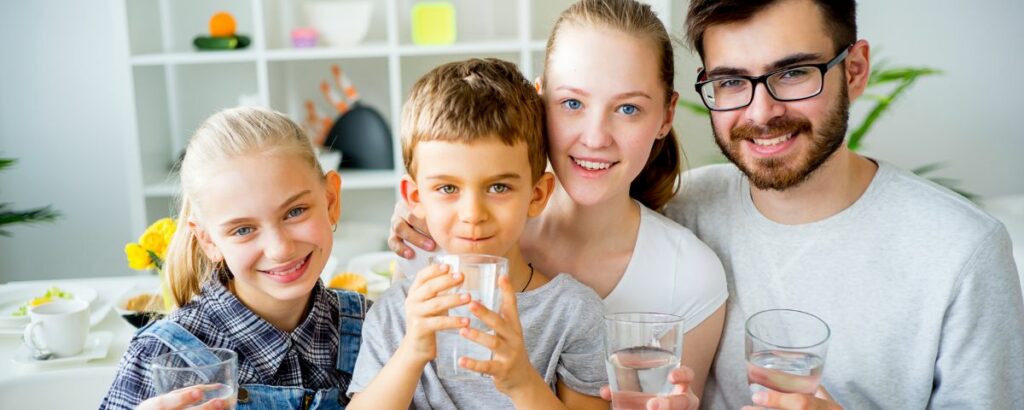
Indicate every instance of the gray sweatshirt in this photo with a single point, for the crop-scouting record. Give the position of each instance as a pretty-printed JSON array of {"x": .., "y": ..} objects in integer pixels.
[{"x": 918, "y": 286}]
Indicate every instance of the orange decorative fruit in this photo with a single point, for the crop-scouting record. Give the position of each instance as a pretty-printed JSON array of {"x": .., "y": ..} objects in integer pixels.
[
  {"x": 349, "y": 281},
  {"x": 222, "y": 24}
]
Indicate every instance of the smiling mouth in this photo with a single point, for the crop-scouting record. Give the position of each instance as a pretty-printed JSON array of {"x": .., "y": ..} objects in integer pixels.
[
  {"x": 290, "y": 268},
  {"x": 769, "y": 142},
  {"x": 592, "y": 165}
]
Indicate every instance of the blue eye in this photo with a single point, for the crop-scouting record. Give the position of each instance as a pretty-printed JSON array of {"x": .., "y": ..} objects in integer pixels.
[
  {"x": 245, "y": 230},
  {"x": 294, "y": 212},
  {"x": 629, "y": 109},
  {"x": 572, "y": 104},
  {"x": 500, "y": 188},
  {"x": 447, "y": 189}
]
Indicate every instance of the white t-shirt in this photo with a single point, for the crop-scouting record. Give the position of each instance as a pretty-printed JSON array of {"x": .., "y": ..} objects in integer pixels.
[
  {"x": 917, "y": 284},
  {"x": 671, "y": 271}
]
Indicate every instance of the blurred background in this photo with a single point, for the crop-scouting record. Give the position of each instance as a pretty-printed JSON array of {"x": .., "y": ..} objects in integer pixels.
[{"x": 98, "y": 98}]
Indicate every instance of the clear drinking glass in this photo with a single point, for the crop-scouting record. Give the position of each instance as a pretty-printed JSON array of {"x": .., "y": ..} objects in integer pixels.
[
  {"x": 215, "y": 370},
  {"x": 480, "y": 273},
  {"x": 641, "y": 350},
  {"x": 785, "y": 351}
]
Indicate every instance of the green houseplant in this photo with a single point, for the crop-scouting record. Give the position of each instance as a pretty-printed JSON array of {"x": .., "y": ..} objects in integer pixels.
[
  {"x": 10, "y": 216},
  {"x": 885, "y": 86}
]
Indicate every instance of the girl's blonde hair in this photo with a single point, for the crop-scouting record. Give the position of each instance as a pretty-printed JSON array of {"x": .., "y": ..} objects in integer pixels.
[
  {"x": 225, "y": 135},
  {"x": 658, "y": 182}
]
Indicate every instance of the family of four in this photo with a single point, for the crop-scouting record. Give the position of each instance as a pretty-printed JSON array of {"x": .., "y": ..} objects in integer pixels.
[{"x": 917, "y": 284}]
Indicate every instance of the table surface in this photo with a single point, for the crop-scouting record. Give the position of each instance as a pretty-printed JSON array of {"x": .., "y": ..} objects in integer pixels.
[{"x": 108, "y": 290}]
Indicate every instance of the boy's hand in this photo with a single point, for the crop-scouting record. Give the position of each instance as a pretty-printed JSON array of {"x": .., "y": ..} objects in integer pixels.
[
  {"x": 510, "y": 365},
  {"x": 426, "y": 310}
]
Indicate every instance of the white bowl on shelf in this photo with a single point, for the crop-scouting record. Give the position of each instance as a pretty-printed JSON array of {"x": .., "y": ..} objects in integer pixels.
[{"x": 340, "y": 23}]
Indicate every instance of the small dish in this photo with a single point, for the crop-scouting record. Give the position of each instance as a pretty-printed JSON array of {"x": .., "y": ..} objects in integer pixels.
[
  {"x": 96, "y": 346},
  {"x": 12, "y": 299},
  {"x": 138, "y": 318}
]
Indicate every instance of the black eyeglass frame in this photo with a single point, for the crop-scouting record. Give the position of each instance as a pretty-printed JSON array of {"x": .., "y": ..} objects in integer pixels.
[{"x": 763, "y": 79}]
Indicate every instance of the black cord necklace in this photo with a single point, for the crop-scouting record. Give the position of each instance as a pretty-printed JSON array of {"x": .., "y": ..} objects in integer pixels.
[{"x": 528, "y": 280}]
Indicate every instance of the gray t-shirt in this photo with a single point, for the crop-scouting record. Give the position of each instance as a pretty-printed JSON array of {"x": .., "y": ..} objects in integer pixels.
[
  {"x": 563, "y": 328},
  {"x": 918, "y": 286}
]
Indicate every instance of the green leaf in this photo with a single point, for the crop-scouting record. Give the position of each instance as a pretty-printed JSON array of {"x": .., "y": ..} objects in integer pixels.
[
  {"x": 696, "y": 108},
  {"x": 37, "y": 215},
  {"x": 929, "y": 168},
  {"x": 7, "y": 163}
]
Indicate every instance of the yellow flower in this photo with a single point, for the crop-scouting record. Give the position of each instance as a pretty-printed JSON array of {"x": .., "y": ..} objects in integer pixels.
[
  {"x": 153, "y": 241},
  {"x": 166, "y": 227},
  {"x": 138, "y": 258}
]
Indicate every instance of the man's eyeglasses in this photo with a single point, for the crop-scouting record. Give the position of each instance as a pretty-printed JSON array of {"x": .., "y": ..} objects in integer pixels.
[{"x": 787, "y": 84}]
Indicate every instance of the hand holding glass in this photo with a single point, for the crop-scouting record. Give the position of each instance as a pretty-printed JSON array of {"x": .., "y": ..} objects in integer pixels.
[
  {"x": 641, "y": 350},
  {"x": 213, "y": 370},
  {"x": 785, "y": 351},
  {"x": 480, "y": 273}
]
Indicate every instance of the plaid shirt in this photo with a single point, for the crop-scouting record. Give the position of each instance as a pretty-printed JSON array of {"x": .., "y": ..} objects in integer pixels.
[{"x": 306, "y": 357}]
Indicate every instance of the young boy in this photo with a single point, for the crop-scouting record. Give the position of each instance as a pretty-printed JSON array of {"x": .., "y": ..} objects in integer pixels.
[{"x": 475, "y": 152}]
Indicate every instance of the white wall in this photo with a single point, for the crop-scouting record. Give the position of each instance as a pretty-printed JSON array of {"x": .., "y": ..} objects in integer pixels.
[
  {"x": 65, "y": 113},
  {"x": 967, "y": 117}
]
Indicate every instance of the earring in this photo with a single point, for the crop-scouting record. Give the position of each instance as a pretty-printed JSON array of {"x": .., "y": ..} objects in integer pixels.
[{"x": 334, "y": 227}]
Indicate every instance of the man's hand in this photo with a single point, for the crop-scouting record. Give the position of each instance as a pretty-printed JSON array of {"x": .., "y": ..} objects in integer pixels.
[
  {"x": 406, "y": 226},
  {"x": 182, "y": 399},
  {"x": 681, "y": 397},
  {"x": 772, "y": 399},
  {"x": 426, "y": 310}
]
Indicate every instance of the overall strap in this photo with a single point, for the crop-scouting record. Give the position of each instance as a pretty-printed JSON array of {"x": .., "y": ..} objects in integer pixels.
[
  {"x": 352, "y": 308},
  {"x": 178, "y": 338}
]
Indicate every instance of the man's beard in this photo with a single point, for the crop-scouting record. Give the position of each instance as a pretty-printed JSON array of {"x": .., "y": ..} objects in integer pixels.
[{"x": 778, "y": 173}]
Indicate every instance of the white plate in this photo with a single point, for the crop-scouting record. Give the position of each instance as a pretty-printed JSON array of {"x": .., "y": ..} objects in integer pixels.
[
  {"x": 376, "y": 263},
  {"x": 96, "y": 346},
  {"x": 12, "y": 299}
]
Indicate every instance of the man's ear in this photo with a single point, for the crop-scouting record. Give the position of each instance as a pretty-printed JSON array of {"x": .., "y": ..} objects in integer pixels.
[
  {"x": 205, "y": 242},
  {"x": 858, "y": 68},
  {"x": 541, "y": 194},
  {"x": 333, "y": 195},
  {"x": 411, "y": 196}
]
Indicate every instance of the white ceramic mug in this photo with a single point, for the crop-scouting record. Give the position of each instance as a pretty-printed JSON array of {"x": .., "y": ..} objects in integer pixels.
[{"x": 60, "y": 326}]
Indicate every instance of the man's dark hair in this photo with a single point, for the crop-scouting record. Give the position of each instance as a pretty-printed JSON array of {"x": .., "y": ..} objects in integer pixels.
[{"x": 840, "y": 18}]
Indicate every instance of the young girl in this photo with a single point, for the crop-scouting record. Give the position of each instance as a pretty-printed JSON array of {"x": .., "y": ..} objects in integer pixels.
[
  {"x": 607, "y": 86},
  {"x": 254, "y": 232}
]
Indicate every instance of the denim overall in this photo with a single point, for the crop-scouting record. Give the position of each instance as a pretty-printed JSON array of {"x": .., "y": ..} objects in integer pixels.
[{"x": 264, "y": 397}]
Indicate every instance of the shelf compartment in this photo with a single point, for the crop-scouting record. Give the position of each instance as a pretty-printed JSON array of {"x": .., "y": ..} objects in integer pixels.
[
  {"x": 488, "y": 20},
  {"x": 168, "y": 26}
]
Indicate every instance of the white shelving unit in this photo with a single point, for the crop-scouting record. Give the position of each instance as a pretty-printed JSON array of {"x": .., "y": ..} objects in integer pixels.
[{"x": 176, "y": 87}]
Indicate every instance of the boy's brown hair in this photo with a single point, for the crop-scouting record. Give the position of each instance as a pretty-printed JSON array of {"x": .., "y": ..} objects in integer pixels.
[{"x": 471, "y": 100}]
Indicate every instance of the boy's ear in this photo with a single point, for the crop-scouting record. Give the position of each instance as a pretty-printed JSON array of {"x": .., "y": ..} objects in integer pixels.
[
  {"x": 411, "y": 196},
  {"x": 541, "y": 194},
  {"x": 333, "y": 195},
  {"x": 205, "y": 242}
]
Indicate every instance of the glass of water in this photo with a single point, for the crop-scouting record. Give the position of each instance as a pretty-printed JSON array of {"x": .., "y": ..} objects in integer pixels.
[
  {"x": 641, "y": 350},
  {"x": 785, "y": 351},
  {"x": 480, "y": 278},
  {"x": 214, "y": 370}
]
